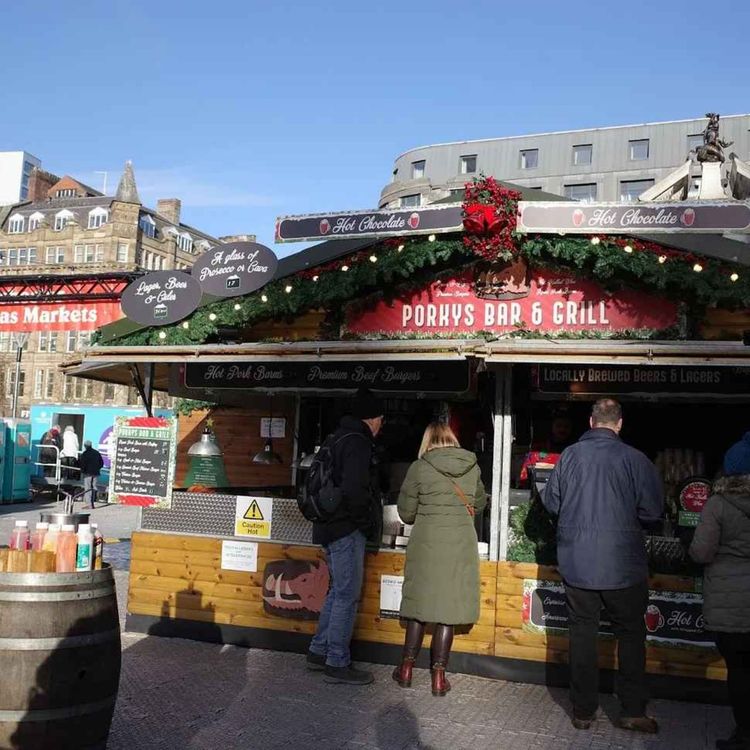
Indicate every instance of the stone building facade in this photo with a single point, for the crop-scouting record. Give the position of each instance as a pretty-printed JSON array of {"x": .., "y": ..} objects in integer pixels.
[{"x": 66, "y": 254}]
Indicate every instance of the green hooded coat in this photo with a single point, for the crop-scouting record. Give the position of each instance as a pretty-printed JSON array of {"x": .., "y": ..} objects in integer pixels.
[{"x": 441, "y": 579}]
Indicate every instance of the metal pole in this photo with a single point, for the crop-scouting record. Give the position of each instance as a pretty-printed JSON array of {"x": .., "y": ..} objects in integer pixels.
[{"x": 16, "y": 384}]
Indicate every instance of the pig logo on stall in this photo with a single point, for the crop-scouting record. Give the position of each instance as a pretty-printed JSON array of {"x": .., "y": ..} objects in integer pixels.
[
  {"x": 295, "y": 588},
  {"x": 503, "y": 280}
]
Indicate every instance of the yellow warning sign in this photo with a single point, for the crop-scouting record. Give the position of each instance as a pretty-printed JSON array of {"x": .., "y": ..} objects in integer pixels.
[{"x": 253, "y": 516}]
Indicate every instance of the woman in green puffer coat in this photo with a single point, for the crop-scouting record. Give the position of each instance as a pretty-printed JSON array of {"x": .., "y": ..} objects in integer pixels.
[{"x": 441, "y": 493}]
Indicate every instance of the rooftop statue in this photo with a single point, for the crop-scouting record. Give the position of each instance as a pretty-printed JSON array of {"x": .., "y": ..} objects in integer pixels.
[{"x": 713, "y": 147}]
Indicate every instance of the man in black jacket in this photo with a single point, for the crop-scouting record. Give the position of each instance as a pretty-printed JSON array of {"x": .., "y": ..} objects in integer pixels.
[
  {"x": 90, "y": 462},
  {"x": 602, "y": 492},
  {"x": 343, "y": 538}
]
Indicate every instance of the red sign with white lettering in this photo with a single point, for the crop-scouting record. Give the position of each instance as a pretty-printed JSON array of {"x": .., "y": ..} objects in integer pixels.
[
  {"x": 547, "y": 302},
  {"x": 59, "y": 316}
]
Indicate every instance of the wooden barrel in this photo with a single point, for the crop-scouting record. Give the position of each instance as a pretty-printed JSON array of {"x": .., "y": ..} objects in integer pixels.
[{"x": 59, "y": 660}]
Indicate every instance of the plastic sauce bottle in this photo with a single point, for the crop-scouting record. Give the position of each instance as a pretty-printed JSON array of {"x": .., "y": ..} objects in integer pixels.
[
  {"x": 66, "y": 549},
  {"x": 50, "y": 538},
  {"x": 98, "y": 546},
  {"x": 37, "y": 538},
  {"x": 85, "y": 548},
  {"x": 19, "y": 537}
]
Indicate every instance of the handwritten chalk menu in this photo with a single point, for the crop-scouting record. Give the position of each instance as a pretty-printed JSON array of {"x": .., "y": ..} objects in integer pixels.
[
  {"x": 145, "y": 450},
  {"x": 235, "y": 268}
]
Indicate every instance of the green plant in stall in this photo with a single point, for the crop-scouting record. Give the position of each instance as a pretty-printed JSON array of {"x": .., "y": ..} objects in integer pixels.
[{"x": 532, "y": 534}]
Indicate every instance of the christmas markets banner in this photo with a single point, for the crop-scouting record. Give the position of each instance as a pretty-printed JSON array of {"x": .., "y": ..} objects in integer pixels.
[
  {"x": 512, "y": 299},
  {"x": 58, "y": 316}
]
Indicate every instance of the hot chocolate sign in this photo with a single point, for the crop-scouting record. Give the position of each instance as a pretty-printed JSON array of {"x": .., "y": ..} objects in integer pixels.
[
  {"x": 628, "y": 218},
  {"x": 235, "y": 268},
  {"x": 547, "y": 302}
]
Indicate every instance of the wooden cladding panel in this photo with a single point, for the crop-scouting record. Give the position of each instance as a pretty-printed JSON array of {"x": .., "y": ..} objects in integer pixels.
[{"x": 512, "y": 641}]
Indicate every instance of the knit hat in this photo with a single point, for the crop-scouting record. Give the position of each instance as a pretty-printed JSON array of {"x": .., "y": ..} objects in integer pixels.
[
  {"x": 737, "y": 458},
  {"x": 365, "y": 405}
]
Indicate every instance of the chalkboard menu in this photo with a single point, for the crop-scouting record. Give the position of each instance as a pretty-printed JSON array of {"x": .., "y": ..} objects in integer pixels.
[{"x": 144, "y": 461}]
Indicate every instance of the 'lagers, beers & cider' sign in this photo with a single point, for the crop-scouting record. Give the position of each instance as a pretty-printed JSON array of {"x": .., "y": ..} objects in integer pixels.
[
  {"x": 410, "y": 376},
  {"x": 547, "y": 302},
  {"x": 161, "y": 298},
  {"x": 235, "y": 268},
  {"x": 648, "y": 218},
  {"x": 361, "y": 224}
]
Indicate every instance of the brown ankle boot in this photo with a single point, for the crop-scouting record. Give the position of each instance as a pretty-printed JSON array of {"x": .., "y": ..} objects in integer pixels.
[
  {"x": 403, "y": 672},
  {"x": 440, "y": 684}
]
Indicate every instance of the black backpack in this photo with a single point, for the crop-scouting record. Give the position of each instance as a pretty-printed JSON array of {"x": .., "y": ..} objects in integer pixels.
[{"x": 320, "y": 498}]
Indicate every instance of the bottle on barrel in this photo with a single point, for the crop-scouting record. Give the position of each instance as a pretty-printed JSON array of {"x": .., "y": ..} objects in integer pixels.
[
  {"x": 50, "y": 538},
  {"x": 98, "y": 546},
  {"x": 85, "y": 548},
  {"x": 37, "y": 538},
  {"x": 66, "y": 549},
  {"x": 19, "y": 537}
]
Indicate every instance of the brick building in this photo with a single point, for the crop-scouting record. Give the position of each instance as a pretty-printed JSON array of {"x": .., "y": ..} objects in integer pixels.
[{"x": 66, "y": 254}]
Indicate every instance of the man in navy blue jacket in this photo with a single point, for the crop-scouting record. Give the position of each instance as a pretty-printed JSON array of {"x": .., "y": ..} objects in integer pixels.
[{"x": 603, "y": 492}]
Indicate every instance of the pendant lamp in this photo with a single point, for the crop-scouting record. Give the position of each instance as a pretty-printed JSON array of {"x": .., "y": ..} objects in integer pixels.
[{"x": 206, "y": 446}]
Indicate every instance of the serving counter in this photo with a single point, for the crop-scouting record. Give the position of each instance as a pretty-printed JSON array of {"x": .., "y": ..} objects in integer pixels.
[{"x": 182, "y": 584}]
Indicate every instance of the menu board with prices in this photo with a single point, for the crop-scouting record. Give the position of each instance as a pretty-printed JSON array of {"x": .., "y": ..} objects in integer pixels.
[{"x": 144, "y": 461}]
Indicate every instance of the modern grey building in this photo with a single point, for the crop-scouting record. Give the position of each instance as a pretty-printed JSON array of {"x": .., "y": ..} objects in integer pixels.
[{"x": 602, "y": 164}]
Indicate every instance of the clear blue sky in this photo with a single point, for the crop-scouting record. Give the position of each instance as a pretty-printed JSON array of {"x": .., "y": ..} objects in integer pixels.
[{"x": 247, "y": 110}]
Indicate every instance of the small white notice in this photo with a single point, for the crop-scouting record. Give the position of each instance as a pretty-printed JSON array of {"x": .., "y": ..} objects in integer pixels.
[
  {"x": 239, "y": 556},
  {"x": 273, "y": 427},
  {"x": 390, "y": 596}
]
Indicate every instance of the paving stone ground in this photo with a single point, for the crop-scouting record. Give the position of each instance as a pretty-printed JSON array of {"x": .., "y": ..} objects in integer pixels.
[{"x": 182, "y": 695}]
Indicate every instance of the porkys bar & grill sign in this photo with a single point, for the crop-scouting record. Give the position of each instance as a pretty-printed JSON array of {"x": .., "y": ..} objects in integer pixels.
[
  {"x": 375, "y": 223},
  {"x": 409, "y": 376},
  {"x": 649, "y": 218},
  {"x": 511, "y": 299}
]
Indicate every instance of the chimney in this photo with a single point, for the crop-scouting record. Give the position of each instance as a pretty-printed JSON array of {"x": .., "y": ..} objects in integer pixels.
[
  {"x": 169, "y": 208},
  {"x": 40, "y": 182},
  {"x": 229, "y": 238}
]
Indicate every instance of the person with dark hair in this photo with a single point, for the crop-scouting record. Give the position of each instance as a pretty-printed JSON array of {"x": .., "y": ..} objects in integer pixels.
[
  {"x": 603, "y": 492},
  {"x": 722, "y": 544},
  {"x": 343, "y": 538}
]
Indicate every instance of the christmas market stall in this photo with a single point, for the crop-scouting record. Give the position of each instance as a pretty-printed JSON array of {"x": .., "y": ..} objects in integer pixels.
[{"x": 475, "y": 312}]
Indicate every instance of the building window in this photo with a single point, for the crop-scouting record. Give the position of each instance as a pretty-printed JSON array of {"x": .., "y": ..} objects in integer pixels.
[
  {"x": 586, "y": 192},
  {"x": 10, "y": 381},
  {"x": 11, "y": 257},
  {"x": 530, "y": 158},
  {"x": 49, "y": 384},
  {"x": 16, "y": 224},
  {"x": 109, "y": 392},
  {"x": 631, "y": 189},
  {"x": 638, "y": 150},
  {"x": 97, "y": 217},
  {"x": 417, "y": 169},
  {"x": 62, "y": 218},
  {"x": 583, "y": 154},
  {"x": 185, "y": 242},
  {"x": 468, "y": 164},
  {"x": 411, "y": 201},
  {"x": 6, "y": 343},
  {"x": 147, "y": 225},
  {"x": 48, "y": 341},
  {"x": 66, "y": 193},
  {"x": 55, "y": 255},
  {"x": 35, "y": 220},
  {"x": 70, "y": 344},
  {"x": 26, "y": 256},
  {"x": 38, "y": 383},
  {"x": 122, "y": 253},
  {"x": 82, "y": 389},
  {"x": 89, "y": 253}
]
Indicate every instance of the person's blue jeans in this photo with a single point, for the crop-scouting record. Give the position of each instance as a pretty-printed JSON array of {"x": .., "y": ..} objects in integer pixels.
[{"x": 346, "y": 563}]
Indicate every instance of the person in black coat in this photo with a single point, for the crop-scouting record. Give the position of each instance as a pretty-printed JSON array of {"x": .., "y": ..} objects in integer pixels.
[
  {"x": 344, "y": 537},
  {"x": 603, "y": 492},
  {"x": 90, "y": 463}
]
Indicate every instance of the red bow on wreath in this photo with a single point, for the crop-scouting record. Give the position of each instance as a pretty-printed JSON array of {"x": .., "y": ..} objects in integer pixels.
[{"x": 481, "y": 218}]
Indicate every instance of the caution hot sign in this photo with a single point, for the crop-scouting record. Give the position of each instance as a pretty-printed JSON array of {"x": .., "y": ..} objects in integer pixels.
[{"x": 253, "y": 517}]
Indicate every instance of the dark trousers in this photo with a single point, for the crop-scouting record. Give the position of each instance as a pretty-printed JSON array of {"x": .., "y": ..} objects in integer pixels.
[
  {"x": 626, "y": 609},
  {"x": 735, "y": 650}
]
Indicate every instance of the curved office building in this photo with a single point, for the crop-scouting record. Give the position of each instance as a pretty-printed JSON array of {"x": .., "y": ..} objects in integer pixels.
[{"x": 603, "y": 164}]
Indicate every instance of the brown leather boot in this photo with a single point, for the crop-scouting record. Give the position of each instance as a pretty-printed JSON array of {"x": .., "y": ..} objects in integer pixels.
[
  {"x": 402, "y": 674},
  {"x": 440, "y": 650}
]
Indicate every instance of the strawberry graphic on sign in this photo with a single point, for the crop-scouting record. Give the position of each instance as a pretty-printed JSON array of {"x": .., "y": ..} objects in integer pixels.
[
  {"x": 688, "y": 217},
  {"x": 578, "y": 217},
  {"x": 325, "y": 226},
  {"x": 414, "y": 220}
]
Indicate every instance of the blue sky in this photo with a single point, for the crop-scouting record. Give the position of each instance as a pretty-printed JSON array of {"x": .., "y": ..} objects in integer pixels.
[{"x": 249, "y": 110}]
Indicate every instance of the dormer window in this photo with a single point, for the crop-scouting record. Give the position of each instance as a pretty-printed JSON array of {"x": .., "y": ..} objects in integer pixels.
[
  {"x": 35, "y": 220},
  {"x": 185, "y": 242},
  {"x": 16, "y": 224},
  {"x": 97, "y": 217},
  {"x": 65, "y": 193},
  {"x": 147, "y": 225},
  {"x": 62, "y": 218}
]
